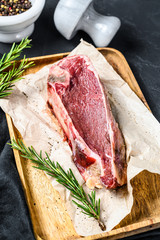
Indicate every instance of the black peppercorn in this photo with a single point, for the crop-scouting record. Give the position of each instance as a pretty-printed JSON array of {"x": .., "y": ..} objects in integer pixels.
[{"x": 14, "y": 7}]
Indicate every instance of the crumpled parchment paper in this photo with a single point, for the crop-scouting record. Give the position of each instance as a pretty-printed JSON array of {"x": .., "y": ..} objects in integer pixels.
[{"x": 38, "y": 127}]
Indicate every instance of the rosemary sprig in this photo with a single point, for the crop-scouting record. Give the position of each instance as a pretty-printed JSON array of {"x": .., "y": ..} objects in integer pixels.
[
  {"x": 8, "y": 78},
  {"x": 88, "y": 203}
]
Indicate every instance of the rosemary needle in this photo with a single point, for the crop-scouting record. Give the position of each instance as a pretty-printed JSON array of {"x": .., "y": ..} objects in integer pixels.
[
  {"x": 8, "y": 78},
  {"x": 87, "y": 203}
]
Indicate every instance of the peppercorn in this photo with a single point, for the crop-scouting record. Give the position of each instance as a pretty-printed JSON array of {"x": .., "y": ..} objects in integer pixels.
[{"x": 14, "y": 7}]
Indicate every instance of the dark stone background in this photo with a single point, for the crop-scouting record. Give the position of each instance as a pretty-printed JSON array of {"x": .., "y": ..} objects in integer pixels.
[{"x": 138, "y": 39}]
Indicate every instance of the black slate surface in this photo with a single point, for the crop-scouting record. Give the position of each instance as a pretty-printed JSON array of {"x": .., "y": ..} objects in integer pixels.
[{"x": 138, "y": 39}]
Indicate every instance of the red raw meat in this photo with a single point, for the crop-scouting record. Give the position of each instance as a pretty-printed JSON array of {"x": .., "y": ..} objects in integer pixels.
[{"x": 77, "y": 99}]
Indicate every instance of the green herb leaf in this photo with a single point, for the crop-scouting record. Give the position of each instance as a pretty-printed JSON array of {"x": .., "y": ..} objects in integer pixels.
[
  {"x": 88, "y": 203},
  {"x": 9, "y": 78}
]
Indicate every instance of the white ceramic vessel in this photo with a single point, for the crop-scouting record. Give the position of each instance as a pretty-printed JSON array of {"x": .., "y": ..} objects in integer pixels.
[
  {"x": 71, "y": 16},
  {"x": 14, "y": 28}
]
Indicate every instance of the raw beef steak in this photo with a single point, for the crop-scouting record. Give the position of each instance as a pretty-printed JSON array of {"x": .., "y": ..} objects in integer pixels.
[{"x": 76, "y": 97}]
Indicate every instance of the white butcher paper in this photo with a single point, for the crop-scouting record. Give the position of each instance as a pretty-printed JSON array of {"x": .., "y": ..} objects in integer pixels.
[{"x": 27, "y": 107}]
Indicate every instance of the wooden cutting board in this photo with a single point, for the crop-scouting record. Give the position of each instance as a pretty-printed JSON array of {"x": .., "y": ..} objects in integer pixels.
[{"x": 49, "y": 217}]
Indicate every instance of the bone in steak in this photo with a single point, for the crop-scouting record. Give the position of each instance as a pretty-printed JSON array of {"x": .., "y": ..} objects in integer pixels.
[{"x": 76, "y": 97}]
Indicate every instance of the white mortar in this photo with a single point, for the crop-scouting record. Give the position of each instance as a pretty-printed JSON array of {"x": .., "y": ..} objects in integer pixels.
[{"x": 14, "y": 28}]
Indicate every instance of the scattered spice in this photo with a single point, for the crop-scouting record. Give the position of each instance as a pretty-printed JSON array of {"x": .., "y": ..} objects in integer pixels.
[{"x": 14, "y": 7}]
